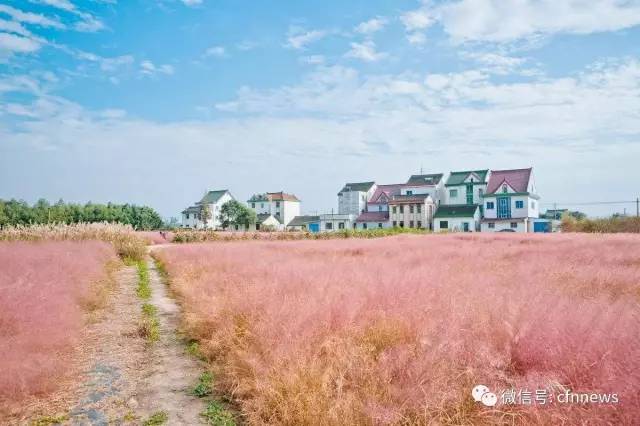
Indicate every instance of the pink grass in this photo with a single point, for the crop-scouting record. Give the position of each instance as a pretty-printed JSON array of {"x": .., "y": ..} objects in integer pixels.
[
  {"x": 44, "y": 288},
  {"x": 399, "y": 329}
]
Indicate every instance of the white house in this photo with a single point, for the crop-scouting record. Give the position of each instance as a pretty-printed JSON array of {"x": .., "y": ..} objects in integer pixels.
[
  {"x": 282, "y": 206},
  {"x": 376, "y": 214},
  {"x": 430, "y": 184},
  {"x": 332, "y": 222},
  {"x": 457, "y": 218},
  {"x": 511, "y": 203},
  {"x": 412, "y": 211},
  {"x": 467, "y": 187},
  {"x": 192, "y": 217},
  {"x": 353, "y": 197},
  {"x": 304, "y": 223}
]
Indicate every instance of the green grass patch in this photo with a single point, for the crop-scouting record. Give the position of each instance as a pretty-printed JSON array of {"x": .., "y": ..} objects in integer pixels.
[
  {"x": 157, "y": 418},
  {"x": 193, "y": 349},
  {"x": 144, "y": 287},
  {"x": 204, "y": 386},
  {"x": 149, "y": 327},
  {"x": 50, "y": 420},
  {"x": 215, "y": 414}
]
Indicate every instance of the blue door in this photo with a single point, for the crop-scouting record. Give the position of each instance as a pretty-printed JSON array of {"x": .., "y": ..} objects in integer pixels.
[
  {"x": 541, "y": 227},
  {"x": 314, "y": 227}
]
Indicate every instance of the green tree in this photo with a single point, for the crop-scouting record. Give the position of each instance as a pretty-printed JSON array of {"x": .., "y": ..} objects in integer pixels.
[
  {"x": 205, "y": 214},
  {"x": 235, "y": 213}
]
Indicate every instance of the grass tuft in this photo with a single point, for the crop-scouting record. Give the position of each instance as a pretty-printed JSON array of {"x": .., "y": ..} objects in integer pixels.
[
  {"x": 157, "y": 418},
  {"x": 215, "y": 414},
  {"x": 204, "y": 386}
]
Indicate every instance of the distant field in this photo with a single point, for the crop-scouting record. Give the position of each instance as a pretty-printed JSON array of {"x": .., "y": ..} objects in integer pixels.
[
  {"x": 400, "y": 329},
  {"x": 45, "y": 290}
]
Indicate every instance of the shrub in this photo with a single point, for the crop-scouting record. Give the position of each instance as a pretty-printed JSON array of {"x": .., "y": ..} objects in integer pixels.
[{"x": 622, "y": 224}]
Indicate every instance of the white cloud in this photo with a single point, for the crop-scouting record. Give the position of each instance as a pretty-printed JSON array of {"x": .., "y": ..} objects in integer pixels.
[
  {"x": 218, "y": 51},
  {"x": 247, "y": 45},
  {"x": 416, "y": 22},
  {"x": 18, "y": 44},
  {"x": 365, "y": 51},
  {"x": 371, "y": 26},
  {"x": 313, "y": 59},
  {"x": 191, "y": 3},
  {"x": 299, "y": 38},
  {"x": 498, "y": 21},
  {"x": 496, "y": 63},
  {"x": 417, "y": 38},
  {"x": 14, "y": 27},
  {"x": 149, "y": 68},
  {"x": 114, "y": 63},
  {"x": 60, "y": 4},
  {"x": 30, "y": 18},
  {"x": 89, "y": 24}
]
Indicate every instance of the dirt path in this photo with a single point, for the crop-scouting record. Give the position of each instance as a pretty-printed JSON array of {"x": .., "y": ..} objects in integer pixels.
[
  {"x": 114, "y": 360},
  {"x": 173, "y": 373}
]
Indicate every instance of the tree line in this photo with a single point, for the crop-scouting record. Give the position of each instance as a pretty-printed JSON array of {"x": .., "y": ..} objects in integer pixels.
[{"x": 19, "y": 212}]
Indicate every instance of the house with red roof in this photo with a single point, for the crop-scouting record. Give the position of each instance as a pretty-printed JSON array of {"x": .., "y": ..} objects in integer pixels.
[
  {"x": 274, "y": 209},
  {"x": 510, "y": 201}
]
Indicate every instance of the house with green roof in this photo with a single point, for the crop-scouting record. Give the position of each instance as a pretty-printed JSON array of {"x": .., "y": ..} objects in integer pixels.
[
  {"x": 457, "y": 218},
  {"x": 209, "y": 205},
  {"x": 466, "y": 187}
]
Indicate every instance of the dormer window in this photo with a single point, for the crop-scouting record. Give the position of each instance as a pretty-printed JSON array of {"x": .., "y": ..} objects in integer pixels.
[{"x": 504, "y": 188}]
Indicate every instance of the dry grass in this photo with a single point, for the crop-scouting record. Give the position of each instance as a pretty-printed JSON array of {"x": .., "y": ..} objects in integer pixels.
[
  {"x": 398, "y": 330},
  {"x": 47, "y": 288},
  {"x": 125, "y": 240},
  {"x": 605, "y": 226}
]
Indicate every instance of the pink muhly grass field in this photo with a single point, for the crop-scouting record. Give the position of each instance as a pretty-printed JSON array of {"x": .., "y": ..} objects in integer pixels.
[
  {"x": 45, "y": 287},
  {"x": 400, "y": 329}
]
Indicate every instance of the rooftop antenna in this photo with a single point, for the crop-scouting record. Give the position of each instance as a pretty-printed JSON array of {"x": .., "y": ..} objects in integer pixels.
[{"x": 420, "y": 168}]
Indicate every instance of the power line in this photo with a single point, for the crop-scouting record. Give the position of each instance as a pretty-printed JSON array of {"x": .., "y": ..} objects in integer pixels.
[{"x": 590, "y": 203}]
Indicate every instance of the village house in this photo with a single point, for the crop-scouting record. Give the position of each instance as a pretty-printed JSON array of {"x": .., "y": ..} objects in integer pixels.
[
  {"x": 511, "y": 203},
  {"x": 457, "y": 218},
  {"x": 412, "y": 211},
  {"x": 274, "y": 210},
  {"x": 353, "y": 197},
  {"x": 211, "y": 202},
  {"x": 304, "y": 223},
  {"x": 467, "y": 187},
  {"x": 430, "y": 184},
  {"x": 332, "y": 222},
  {"x": 376, "y": 214}
]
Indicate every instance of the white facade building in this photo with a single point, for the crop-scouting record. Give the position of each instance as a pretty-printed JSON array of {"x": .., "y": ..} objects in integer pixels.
[
  {"x": 353, "y": 197},
  {"x": 430, "y": 184},
  {"x": 282, "y": 206},
  {"x": 511, "y": 202},
  {"x": 332, "y": 222},
  {"x": 467, "y": 187},
  {"x": 192, "y": 217},
  {"x": 457, "y": 218}
]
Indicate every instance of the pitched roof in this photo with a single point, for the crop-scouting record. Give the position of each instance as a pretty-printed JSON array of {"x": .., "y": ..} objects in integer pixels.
[
  {"x": 213, "y": 196},
  {"x": 272, "y": 196},
  {"x": 264, "y": 216},
  {"x": 373, "y": 217},
  {"x": 458, "y": 178},
  {"x": 456, "y": 210},
  {"x": 388, "y": 190},
  {"x": 357, "y": 186},
  {"x": 518, "y": 179},
  {"x": 303, "y": 220},
  {"x": 431, "y": 179},
  {"x": 192, "y": 209}
]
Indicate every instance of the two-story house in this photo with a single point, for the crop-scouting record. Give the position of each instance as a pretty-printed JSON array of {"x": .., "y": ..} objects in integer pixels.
[
  {"x": 210, "y": 204},
  {"x": 412, "y": 211},
  {"x": 353, "y": 197},
  {"x": 282, "y": 206},
  {"x": 462, "y": 208},
  {"x": 376, "y": 214},
  {"x": 429, "y": 184},
  {"x": 511, "y": 202}
]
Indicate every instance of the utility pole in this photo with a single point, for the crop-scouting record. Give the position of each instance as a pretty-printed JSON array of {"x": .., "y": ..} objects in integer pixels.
[{"x": 637, "y": 206}]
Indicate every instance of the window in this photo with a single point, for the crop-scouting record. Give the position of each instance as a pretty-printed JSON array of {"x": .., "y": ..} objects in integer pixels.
[
  {"x": 490, "y": 205},
  {"x": 379, "y": 208},
  {"x": 364, "y": 225},
  {"x": 419, "y": 224},
  {"x": 253, "y": 205},
  {"x": 341, "y": 225},
  {"x": 277, "y": 203},
  {"x": 410, "y": 224},
  {"x": 187, "y": 215},
  {"x": 504, "y": 207},
  {"x": 519, "y": 204},
  {"x": 444, "y": 224},
  {"x": 514, "y": 225},
  {"x": 394, "y": 210},
  {"x": 419, "y": 207},
  {"x": 401, "y": 224},
  {"x": 395, "y": 223},
  {"x": 328, "y": 225},
  {"x": 453, "y": 193},
  {"x": 465, "y": 226},
  {"x": 401, "y": 209},
  {"x": 379, "y": 225},
  {"x": 492, "y": 225},
  {"x": 409, "y": 192},
  {"x": 505, "y": 189},
  {"x": 411, "y": 208}
]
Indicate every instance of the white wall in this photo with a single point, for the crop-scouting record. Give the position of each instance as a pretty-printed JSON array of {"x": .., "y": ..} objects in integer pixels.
[
  {"x": 461, "y": 197},
  {"x": 373, "y": 225},
  {"x": 335, "y": 220},
  {"x": 456, "y": 224},
  {"x": 526, "y": 211},
  {"x": 523, "y": 225}
]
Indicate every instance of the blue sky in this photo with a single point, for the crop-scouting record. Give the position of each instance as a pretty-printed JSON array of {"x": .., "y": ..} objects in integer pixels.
[{"x": 153, "y": 102}]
